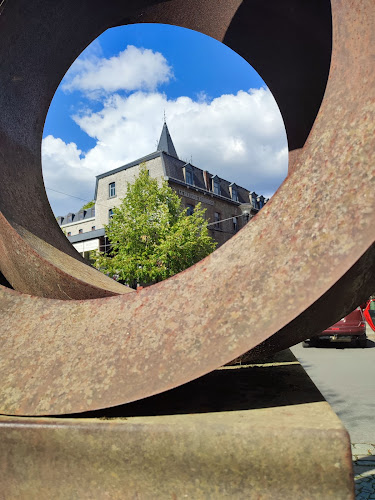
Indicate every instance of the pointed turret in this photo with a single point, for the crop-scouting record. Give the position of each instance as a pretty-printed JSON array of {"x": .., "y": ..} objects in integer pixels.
[{"x": 166, "y": 143}]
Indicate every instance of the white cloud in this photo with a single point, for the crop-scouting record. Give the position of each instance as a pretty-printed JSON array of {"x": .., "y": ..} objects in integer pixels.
[
  {"x": 65, "y": 171},
  {"x": 239, "y": 137},
  {"x": 132, "y": 69}
]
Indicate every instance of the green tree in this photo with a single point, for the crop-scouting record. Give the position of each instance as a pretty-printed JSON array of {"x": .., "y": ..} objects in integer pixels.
[
  {"x": 89, "y": 204},
  {"x": 151, "y": 235}
]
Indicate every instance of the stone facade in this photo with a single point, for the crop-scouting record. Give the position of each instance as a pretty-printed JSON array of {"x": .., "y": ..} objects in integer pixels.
[
  {"x": 104, "y": 202},
  {"x": 226, "y": 210}
]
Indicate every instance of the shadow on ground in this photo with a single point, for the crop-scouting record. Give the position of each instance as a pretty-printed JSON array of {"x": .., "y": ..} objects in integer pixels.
[
  {"x": 239, "y": 387},
  {"x": 326, "y": 344},
  {"x": 364, "y": 465}
]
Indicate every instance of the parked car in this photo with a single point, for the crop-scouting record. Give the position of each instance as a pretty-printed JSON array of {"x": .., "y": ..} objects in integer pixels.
[{"x": 352, "y": 327}]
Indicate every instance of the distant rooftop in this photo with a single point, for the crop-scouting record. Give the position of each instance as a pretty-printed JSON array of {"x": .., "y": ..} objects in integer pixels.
[{"x": 81, "y": 215}]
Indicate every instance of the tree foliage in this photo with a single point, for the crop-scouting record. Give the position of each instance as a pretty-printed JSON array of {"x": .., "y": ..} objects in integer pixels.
[
  {"x": 151, "y": 235},
  {"x": 89, "y": 204}
]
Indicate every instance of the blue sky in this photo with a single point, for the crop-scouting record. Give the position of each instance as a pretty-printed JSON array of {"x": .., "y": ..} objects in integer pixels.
[{"x": 108, "y": 111}]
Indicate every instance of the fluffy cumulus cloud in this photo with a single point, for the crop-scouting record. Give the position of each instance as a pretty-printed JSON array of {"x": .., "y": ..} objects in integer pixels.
[
  {"x": 239, "y": 137},
  {"x": 132, "y": 69},
  {"x": 64, "y": 171}
]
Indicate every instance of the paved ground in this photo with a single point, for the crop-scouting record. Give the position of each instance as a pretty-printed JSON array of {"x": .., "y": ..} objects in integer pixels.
[
  {"x": 346, "y": 377},
  {"x": 364, "y": 471}
]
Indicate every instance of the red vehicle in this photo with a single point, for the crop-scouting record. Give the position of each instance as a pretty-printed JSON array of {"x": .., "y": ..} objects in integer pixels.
[{"x": 352, "y": 327}]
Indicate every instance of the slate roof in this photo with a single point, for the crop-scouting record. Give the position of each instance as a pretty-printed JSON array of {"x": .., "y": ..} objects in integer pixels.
[
  {"x": 76, "y": 217},
  {"x": 174, "y": 170},
  {"x": 166, "y": 143}
]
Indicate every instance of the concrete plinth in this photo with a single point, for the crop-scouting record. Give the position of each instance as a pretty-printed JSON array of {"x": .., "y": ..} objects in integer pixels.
[{"x": 258, "y": 431}]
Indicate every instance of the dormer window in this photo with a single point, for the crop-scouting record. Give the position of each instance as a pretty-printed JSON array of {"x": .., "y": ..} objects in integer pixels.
[
  {"x": 253, "y": 199},
  {"x": 189, "y": 175},
  {"x": 216, "y": 182},
  {"x": 234, "y": 192},
  {"x": 112, "y": 189}
]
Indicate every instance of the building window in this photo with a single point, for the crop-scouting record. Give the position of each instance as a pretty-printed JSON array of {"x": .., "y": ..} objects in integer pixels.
[
  {"x": 235, "y": 224},
  {"x": 254, "y": 200},
  {"x": 110, "y": 213},
  {"x": 217, "y": 186},
  {"x": 112, "y": 189},
  {"x": 234, "y": 193},
  {"x": 80, "y": 231},
  {"x": 92, "y": 228},
  {"x": 69, "y": 233},
  {"x": 217, "y": 218},
  {"x": 190, "y": 209},
  {"x": 189, "y": 177}
]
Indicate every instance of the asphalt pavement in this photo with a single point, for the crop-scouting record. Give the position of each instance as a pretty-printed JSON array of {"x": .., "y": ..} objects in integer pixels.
[{"x": 345, "y": 375}]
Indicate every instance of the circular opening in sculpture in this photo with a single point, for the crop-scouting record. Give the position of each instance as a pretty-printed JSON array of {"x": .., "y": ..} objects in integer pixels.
[{"x": 181, "y": 106}]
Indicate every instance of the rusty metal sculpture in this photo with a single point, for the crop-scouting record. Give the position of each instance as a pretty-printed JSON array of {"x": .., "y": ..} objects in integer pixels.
[{"x": 72, "y": 340}]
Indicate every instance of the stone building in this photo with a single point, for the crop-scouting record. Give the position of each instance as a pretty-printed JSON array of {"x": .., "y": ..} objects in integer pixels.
[{"x": 223, "y": 200}]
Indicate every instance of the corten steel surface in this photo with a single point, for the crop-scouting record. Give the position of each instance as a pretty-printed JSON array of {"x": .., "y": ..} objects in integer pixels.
[
  {"x": 252, "y": 432},
  {"x": 305, "y": 260}
]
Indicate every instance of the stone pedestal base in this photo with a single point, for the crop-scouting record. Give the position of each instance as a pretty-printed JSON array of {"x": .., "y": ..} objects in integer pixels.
[{"x": 258, "y": 431}]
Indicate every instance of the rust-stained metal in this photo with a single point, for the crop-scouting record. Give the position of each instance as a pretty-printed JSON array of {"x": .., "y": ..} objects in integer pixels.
[{"x": 308, "y": 249}]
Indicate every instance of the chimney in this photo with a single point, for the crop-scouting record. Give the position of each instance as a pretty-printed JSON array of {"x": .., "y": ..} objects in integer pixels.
[{"x": 207, "y": 180}]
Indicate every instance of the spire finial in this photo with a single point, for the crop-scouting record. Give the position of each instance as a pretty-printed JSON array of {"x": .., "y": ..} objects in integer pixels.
[{"x": 165, "y": 119}]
